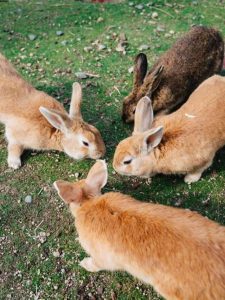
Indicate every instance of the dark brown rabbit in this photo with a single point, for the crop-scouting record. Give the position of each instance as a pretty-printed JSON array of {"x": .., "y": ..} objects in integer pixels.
[{"x": 192, "y": 59}]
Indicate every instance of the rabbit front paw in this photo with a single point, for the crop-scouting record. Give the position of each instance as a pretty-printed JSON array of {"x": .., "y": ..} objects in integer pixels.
[
  {"x": 89, "y": 265},
  {"x": 192, "y": 177},
  {"x": 14, "y": 163}
]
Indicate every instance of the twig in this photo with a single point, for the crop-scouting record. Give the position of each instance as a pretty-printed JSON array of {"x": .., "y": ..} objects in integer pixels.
[{"x": 163, "y": 11}]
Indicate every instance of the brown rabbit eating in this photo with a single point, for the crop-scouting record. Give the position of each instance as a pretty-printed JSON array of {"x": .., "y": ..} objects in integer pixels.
[
  {"x": 196, "y": 56},
  {"x": 179, "y": 252},
  {"x": 184, "y": 142},
  {"x": 34, "y": 120}
]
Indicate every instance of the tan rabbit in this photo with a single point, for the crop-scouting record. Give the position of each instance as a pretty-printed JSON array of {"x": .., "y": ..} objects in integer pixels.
[
  {"x": 180, "y": 253},
  {"x": 192, "y": 59},
  {"x": 184, "y": 142},
  {"x": 34, "y": 120}
]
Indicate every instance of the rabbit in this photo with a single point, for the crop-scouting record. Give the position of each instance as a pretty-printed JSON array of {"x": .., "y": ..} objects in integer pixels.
[
  {"x": 179, "y": 252},
  {"x": 196, "y": 56},
  {"x": 184, "y": 142},
  {"x": 34, "y": 120}
]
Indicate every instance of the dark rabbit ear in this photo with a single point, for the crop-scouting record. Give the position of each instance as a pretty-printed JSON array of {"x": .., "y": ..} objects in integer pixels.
[
  {"x": 140, "y": 70},
  {"x": 153, "y": 80}
]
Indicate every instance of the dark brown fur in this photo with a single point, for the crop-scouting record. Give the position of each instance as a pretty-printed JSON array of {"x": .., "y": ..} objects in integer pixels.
[{"x": 192, "y": 59}]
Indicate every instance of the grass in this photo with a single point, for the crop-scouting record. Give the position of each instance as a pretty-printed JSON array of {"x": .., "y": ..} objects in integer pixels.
[{"x": 39, "y": 253}]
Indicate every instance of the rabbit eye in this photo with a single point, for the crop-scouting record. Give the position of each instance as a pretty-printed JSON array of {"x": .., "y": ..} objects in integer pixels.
[
  {"x": 127, "y": 162},
  {"x": 85, "y": 143}
]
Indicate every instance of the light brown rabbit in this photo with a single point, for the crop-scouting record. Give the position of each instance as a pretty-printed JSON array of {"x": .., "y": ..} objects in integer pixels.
[
  {"x": 180, "y": 253},
  {"x": 34, "y": 120},
  {"x": 184, "y": 142},
  {"x": 177, "y": 73}
]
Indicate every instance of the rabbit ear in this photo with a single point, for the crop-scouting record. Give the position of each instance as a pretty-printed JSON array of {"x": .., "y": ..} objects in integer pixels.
[
  {"x": 57, "y": 119},
  {"x": 152, "y": 138},
  {"x": 153, "y": 80},
  {"x": 143, "y": 115},
  {"x": 140, "y": 70},
  {"x": 68, "y": 192},
  {"x": 97, "y": 177},
  {"x": 76, "y": 99}
]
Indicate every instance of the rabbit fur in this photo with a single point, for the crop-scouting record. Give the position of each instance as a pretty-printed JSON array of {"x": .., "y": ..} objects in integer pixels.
[
  {"x": 193, "y": 58},
  {"x": 34, "y": 120},
  {"x": 179, "y": 252},
  {"x": 184, "y": 142}
]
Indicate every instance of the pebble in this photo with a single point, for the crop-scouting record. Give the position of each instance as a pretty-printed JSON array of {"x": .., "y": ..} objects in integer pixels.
[
  {"x": 101, "y": 47},
  {"x": 88, "y": 49},
  {"x": 167, "y": 35},
  {"x": 56, "y": 253},
  {"x": 131, "y": 70},
  {"x": 155, "y": 15},
  {"x": 32, "y": 37},
  {"x": 81, "y": 75},
  {"x": 100, "y": 19},
  {"x": 76, "y": 175},
  {"x": 64, "y": 43},
  {"x": 139, "y": 6},
  {"x": 28, "y": 199},
  {"x": 160, "y": 28},
  {"x": 59, "y": 32},
  {"x": 143, "y": 47}
]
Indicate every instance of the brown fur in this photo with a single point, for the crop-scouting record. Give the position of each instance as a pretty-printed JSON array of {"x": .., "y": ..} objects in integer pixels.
[
  {"x": 192, "y": 59},
  {"x": 192, "y": 136},
  {"x": 27, "y": 128},
  {"x": 179, "y": 252}
]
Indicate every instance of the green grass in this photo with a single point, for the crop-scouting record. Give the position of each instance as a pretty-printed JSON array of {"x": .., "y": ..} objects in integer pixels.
[{"x": 39, "y": 253}]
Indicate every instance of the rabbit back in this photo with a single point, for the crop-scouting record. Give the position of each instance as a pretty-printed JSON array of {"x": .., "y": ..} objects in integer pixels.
[{"x": 166, "y": 247}]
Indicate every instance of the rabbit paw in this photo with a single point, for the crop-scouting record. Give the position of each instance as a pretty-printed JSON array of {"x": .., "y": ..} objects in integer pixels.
[
  {"x": 89, "y": 265},
  {"x": 14, "y": 163},
  {"x": 190, "y": 178}
]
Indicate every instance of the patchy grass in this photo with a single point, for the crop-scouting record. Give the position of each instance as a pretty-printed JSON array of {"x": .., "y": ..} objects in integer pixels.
[{"x": 39, "y": 253}]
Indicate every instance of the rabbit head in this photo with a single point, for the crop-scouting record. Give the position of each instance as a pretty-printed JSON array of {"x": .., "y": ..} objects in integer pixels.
[
  {"x": 142, "y": 85},
  {"x": 78, "y": 139},
  {"x": 77, "y": 193},
  {"x": 133, "y": 155}
]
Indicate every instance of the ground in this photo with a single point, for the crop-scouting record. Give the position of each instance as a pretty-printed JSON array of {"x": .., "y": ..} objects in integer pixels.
[{"x": 39, "y": 252}]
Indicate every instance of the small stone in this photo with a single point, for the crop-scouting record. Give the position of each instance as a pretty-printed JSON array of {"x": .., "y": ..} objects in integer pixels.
[
  {"x": 131, "y": 3},
  {"x": 160, "y": 28},
  {"x": 56, "y": 253},
  {"x": 139, "y": 6},
  {"x": 59, "y": 32},
  {"x": 64, "y": 43},
  {"x": 76, "y": 175},
  {"x": 81, "y": 75},
  {"x": 101, "y": 47},
  {"x": 100, "y": 19},
  {"x": 155, "y": 15},
  {"x": 172, "y": 32},
  {"x": 32, "y": 37},
  {"x": 143, "y": 47},
  {"x": 131, "y": 70},
  {"x": 167, "y": 35},
  {"x": 88, "y": 49},
  {"x": 28, "y": 199}
]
